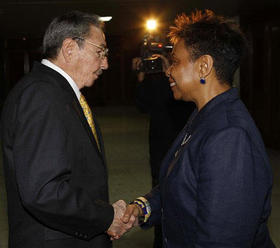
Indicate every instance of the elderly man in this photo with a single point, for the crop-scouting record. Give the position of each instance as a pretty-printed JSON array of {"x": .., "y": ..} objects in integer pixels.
[{"x": 54, "y": 161}]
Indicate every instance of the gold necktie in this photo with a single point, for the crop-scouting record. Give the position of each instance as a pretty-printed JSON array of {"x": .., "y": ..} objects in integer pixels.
[{"x": 88, "y": 115}]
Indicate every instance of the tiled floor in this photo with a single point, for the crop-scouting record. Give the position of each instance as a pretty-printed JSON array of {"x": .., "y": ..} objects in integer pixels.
[{"x": 125, "y": 134}]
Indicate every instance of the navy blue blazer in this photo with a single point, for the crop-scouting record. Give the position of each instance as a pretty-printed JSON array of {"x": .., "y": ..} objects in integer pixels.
[{"x": 216, "y": 180}]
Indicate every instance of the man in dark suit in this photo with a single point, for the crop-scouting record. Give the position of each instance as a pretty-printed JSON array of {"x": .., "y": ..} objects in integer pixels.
[{"x": 54, "y": 162}]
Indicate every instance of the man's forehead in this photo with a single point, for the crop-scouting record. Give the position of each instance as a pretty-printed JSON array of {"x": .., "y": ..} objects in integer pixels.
[{"x": 97, "y": 35}]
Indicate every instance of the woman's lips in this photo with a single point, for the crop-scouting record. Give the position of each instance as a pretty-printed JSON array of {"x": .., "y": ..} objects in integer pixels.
[{"x": 172, "y": 81}]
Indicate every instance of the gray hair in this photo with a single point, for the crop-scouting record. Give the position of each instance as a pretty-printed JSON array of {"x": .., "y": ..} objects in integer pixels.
[{"x": 70, "y": 25}]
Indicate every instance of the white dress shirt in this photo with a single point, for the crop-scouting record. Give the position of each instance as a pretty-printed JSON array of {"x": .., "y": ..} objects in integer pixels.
[{"x": 64, "y": 74}]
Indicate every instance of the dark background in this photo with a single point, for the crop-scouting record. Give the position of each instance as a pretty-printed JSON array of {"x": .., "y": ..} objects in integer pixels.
[{"x": 22, "y": 25}]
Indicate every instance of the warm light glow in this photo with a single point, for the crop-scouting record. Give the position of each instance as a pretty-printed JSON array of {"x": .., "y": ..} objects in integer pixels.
[
  {"x": 105, "y": 18},
  {"x": 151, "y": 24}
]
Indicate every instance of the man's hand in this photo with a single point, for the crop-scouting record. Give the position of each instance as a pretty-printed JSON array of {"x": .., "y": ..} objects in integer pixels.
[
  {"x": 136, "y": 64},
  {"x": 118, "y": 227},
  {"x": 165, "y": 61}
]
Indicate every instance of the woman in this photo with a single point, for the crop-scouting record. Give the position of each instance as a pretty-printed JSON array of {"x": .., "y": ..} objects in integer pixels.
[{"x": 215, "y": 183}]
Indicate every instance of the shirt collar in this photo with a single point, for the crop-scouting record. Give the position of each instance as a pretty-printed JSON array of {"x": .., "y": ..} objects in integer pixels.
[{"x": 64, "y": 74}]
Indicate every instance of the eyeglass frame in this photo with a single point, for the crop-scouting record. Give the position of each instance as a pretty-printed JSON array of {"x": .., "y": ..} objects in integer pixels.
[{"x": 104, "y": 50}]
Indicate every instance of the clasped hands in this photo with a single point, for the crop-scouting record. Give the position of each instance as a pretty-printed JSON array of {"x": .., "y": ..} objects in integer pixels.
[{"x": 125, "y": 218}]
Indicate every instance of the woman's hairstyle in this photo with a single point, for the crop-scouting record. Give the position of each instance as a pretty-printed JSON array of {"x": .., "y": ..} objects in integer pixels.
[
  {"x": 71, "y": 25},
  {"x": 205, "y": 33}
]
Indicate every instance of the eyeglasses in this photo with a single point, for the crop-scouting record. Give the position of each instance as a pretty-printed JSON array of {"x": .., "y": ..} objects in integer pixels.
[{"x": 102, "y": 53}]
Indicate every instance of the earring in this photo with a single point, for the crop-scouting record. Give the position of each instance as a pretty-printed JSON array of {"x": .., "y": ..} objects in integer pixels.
[{"x": 202, "y": 80}]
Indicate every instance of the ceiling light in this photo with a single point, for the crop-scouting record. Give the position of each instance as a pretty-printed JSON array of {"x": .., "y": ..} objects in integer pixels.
[{"x": 105, "y": 18}]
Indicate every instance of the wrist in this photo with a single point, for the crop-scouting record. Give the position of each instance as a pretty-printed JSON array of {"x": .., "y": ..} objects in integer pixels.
[
  {"x": 140, "y": 211},
  {"x": 143, "y": 206}
]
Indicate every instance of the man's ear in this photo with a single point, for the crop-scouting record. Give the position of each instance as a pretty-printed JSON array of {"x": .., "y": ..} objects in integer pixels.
[
  {"x": 205, "y": 65},
  {"x": 68, "y": 49}
]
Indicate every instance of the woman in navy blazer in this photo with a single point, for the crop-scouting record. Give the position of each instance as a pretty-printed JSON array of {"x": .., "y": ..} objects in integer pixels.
[{"x": 215, "y": 183}]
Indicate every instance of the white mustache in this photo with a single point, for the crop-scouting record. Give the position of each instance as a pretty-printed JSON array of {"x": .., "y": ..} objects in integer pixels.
[{"x": 99, "y": 72}]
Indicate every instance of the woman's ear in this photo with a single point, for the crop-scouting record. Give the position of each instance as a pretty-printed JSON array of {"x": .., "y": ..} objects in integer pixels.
[{"x": 205, "y": 63}]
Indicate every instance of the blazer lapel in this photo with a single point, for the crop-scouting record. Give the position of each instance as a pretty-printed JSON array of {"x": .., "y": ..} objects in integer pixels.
[
  {"x": 180, "y": 149},
  {"x": 170, "y": 160}
]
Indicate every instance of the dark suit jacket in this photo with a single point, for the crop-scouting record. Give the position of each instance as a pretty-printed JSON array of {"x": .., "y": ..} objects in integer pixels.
[
  {"x": 56, "y": 177},
  {"x": 215, "y": 182}
]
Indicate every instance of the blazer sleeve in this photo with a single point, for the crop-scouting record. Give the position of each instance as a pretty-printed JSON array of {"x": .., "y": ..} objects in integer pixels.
[
  {"x": 155, "y": 203},
  {"x": 233, "y": 184},
  {"x": 43, "y": 171},
  {"x": 154, "y": 197}
]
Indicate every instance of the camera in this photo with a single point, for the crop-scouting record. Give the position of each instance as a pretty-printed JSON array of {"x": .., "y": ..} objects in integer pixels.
[{"x": 152, "y": 45}]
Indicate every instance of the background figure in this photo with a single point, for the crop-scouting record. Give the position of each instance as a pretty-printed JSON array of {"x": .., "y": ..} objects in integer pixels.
[
  {"x": 167, "y": 118},
  {"x": 53, "y": 153},
  {"x": 216, "y": 179}
]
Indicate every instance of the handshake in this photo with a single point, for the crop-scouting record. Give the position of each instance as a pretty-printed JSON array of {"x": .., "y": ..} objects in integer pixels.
[{"x": 125, "y": 218}]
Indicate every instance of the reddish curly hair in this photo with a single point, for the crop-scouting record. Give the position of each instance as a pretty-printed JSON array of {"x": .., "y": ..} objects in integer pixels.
[{"x": 203, "y": 33}]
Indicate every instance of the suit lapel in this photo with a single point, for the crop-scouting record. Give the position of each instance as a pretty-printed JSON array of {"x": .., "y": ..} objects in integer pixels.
[{"x": 59, "y": 80}]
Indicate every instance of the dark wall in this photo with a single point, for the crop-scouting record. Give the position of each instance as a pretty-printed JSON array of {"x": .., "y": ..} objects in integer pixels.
[
  {"x": 114, "y": 87},
  {"x": 16, "y": 57},
  {"x": 260, "y": 78}
]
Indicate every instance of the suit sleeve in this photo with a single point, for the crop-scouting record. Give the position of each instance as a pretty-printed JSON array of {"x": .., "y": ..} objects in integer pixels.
[
  {"x": 43, "y": 170},
  {"x": 232, "y": 187}
]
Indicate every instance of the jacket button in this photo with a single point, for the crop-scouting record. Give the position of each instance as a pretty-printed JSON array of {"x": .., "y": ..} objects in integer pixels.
[
  {"x": 76, "y": 233},
  {"x": 85, "y": 236}
]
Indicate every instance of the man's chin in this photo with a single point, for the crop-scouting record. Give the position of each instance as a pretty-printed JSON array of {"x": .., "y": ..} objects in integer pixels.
[
  {"x": 89, "y": 84},
  {"x": 95, "y": 77}
]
